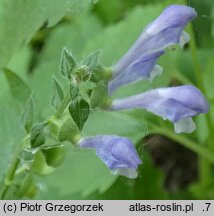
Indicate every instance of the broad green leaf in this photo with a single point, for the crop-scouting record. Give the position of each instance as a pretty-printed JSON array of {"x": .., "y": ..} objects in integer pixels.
[
  {"x": 149, "y": 185},
  {"x": 20, "y": 62},
  {"x": 102, "y": 122},
  {"x": 79, "y": 5},
  {"x": 82, "y": 172},
  {"x": 116, "y": 39},
  {"x": 110, "y": 10},
  {"x": 79, "y": 111},
  {"x": 20, "y": 20},
  {"x": 19, "y": 89},
  {"x": 11, "y": 133}
]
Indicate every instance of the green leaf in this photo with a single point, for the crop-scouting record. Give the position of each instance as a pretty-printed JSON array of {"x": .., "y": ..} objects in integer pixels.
[
  {"x": 91, "y": 61},
  {"x": 11, "y": 133},
  {"x": 101, "y": 122},
  {"x": 27, "y": 116},
  {"x": 67, "y": 63},
  {"x": 58, "y": 94},
  {"x": 54, "y": 155},
  {"x": 112, "y": 41},
  {"x": 21, "y": 19},
  {"x": 137, "y": 189},
  {"x": 110, "y": 10},
  {"x": 82, "y": 172},
  {"x": 19, "y": 89},
  {"x": 37, "y": 136},
  {"x": 79, "y": 111},
  {"x": 77, "y": 5}
]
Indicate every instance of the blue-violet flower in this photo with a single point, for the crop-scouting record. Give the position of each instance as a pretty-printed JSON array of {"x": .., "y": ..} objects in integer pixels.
[
  {"x": 140, "y": 60},
  {"x": 118, "y": 153},
  {"x": 177, "y": 104}
]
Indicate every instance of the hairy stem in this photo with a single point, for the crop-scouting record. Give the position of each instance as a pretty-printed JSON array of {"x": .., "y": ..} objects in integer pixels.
[{"x": 63, "y": 106}]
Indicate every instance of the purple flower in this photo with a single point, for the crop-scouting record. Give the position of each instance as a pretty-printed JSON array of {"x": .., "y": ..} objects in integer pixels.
[
  {"x": 118, "y": 153},
  {"x": 140, "y": 60},
  {"x": 177, "y": 104},
  {"x": 143, "y": 68}
]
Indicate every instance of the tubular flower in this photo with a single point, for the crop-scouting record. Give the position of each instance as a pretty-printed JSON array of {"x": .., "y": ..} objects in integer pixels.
[
  {"x": 118, "y": 153},
  {"x": 140, "y": 60},
  {"x": 143, "y": 68},
  {"x": 177, "y": 104}
]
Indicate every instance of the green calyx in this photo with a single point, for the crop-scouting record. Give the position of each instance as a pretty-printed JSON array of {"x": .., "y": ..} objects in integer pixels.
[
  {"x": 107, "y": 73},
  {"x": 65, "y": 129},
  {"x": 102, "y": 73},
  {"x": 99, "y": 97}
]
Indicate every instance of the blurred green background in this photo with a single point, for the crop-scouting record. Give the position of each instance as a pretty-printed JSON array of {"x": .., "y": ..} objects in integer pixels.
[{"x": 32, "y": 35}]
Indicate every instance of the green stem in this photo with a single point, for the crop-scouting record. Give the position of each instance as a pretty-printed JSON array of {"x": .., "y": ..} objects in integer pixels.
[
  {"x": 196, "y": 63},
  {"x": 198, "y": 72},
  {"x": 8, "y": 180},
  {"x": 200, "y": 150},
  {"x": 205, "y": 166},
  {"x": 182, "y": 78},
  {"x": 63, "y": 106},
  {"x": 195, "y": 147},
  {"x": 9, "y": 177}
]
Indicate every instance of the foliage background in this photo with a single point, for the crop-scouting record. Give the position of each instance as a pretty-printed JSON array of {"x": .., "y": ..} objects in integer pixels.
[{"x": 32, "y": 35}]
